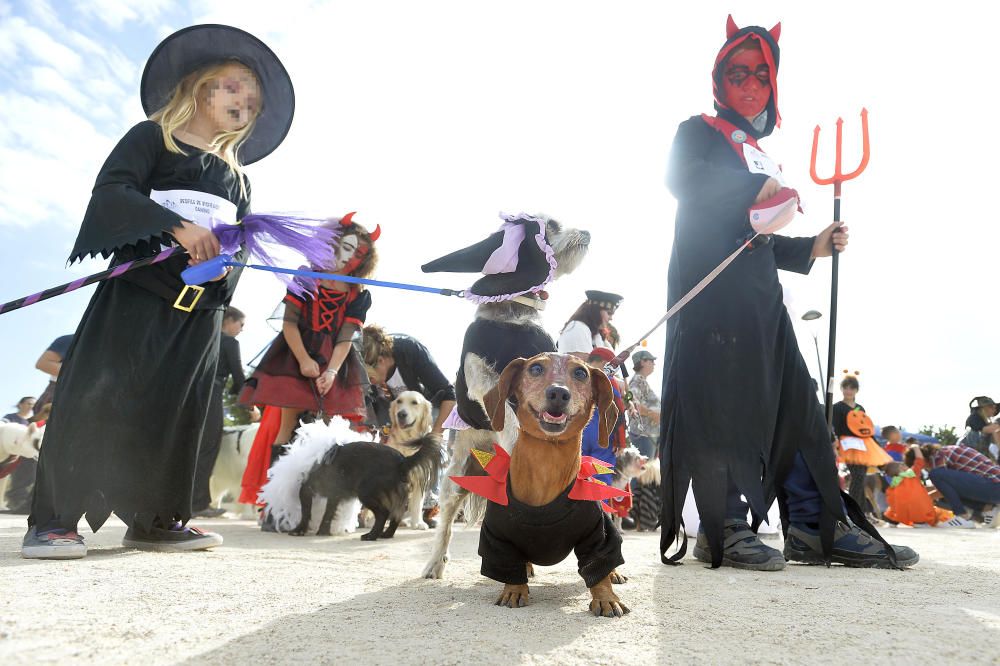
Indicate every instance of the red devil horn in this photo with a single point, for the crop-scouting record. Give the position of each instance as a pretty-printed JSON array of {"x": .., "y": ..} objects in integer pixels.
[
  {"x": 731, "y": 27},
  {"x": 776, "y": 31},
  {"x": 347, "y": 219},
  {"x": 375, "y": 234}
]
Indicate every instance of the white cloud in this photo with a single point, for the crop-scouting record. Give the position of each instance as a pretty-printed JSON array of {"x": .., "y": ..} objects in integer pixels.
[{"x": 116, "y": 13}]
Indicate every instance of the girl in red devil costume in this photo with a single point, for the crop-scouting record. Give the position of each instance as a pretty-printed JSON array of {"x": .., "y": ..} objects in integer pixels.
[
  {"x": 739, "y": 414},
  {"x": 311, "y": 366}
]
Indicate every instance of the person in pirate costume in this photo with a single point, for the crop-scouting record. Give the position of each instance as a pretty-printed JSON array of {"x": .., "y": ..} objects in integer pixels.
[
  {"x": 312, "y": 365},
  {"x": 136, "y": 382},
  {"x": 739, "y": 415}
]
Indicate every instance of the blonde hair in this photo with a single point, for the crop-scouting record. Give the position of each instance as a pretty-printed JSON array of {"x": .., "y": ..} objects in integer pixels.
[
  {"x": 375, "y": 343},
  {"x": 182, "y": 106}
]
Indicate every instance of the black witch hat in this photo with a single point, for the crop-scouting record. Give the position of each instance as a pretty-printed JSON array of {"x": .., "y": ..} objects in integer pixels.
[
  {"x": 195, "y": 47},
  {"x": 515, "y": 260}
]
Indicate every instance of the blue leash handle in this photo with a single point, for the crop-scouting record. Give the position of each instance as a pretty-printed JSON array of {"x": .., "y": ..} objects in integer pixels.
[{"x": 207, "y": 270}]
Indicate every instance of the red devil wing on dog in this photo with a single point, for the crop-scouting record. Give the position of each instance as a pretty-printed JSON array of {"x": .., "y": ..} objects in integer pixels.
[
  {"x": 493, "y": 486},
  {"x": 589, "y": 488}
]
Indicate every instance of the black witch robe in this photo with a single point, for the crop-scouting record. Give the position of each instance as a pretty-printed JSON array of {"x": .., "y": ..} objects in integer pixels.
[
  {"x": 136, "y": 383},
  {"x": 738, "y": 401}
]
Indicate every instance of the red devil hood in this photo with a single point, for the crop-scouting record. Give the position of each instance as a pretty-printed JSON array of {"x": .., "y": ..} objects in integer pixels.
[{"x": 768, "y": 42}]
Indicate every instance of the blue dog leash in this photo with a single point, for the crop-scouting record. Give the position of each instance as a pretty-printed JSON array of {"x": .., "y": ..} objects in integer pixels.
[{"x": 207, "y": 270}]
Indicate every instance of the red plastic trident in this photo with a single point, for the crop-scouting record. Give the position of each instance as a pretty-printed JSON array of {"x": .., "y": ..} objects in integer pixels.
[{"x": 838, "y": 177}]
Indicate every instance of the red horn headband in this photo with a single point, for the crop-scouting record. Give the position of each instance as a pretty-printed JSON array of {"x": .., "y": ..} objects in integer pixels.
[{"x": 349, "y": 218}]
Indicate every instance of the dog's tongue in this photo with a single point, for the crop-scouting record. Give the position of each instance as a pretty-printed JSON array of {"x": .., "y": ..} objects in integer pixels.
[{"x": 549, "y": 417}]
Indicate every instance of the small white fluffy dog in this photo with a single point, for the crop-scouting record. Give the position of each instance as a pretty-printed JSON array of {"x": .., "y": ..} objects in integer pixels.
[
  {"x": 227, "y": 475},
  {"x": 411, "y": 417}
]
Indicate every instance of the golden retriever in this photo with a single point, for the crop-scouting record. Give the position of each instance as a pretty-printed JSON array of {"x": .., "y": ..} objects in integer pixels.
[{"x": 411, "y": 418}]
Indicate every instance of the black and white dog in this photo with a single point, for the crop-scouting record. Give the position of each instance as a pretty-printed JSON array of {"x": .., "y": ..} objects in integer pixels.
[
  {"x": 526, "y": 254},
  {"x": 328, "y": 462}
]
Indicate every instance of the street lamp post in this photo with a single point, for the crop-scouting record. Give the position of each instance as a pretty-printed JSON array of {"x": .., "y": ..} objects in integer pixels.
[{"x": 813, "y": 315}]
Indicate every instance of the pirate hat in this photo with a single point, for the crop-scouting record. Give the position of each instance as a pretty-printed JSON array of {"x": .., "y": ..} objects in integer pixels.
[
  {"x": 514, "y": 260},
  {"x": 604, "y": 299},
  {"x": 984, "y": 401},
  {"x": 196, "y": 46}
]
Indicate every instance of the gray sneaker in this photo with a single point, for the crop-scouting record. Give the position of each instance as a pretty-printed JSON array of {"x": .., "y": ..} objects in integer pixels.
[
  {"x": 742, "y": 549},
  {"x": 176, "y": 539},
  {"x": 851, "y": 547},
  {"x": 52, "y": 545}
]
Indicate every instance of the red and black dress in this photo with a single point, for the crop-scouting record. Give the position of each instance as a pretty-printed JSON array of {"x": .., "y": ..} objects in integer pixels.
[{"x": 328, "y": 317}]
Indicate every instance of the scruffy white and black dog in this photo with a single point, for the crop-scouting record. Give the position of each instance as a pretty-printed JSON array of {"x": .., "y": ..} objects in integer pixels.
[
  {"x": 527, "y": 253},
  {"x": 329, "y": 462},
  {"x": 411, "y": 417}
]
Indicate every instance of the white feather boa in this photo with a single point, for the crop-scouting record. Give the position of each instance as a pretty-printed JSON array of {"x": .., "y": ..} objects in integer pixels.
[{"x": 285, "y": 478}]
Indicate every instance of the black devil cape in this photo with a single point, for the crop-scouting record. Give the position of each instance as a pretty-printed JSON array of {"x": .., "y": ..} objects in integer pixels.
[{"x": 738, "y": 401}]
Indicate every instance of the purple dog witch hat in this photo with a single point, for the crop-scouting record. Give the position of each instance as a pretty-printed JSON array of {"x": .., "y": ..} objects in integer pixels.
[{"x": 515, "y": 260}]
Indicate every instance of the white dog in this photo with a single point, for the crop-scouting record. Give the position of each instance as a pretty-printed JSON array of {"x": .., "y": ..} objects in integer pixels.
[
  {"x": 17, "y": 441},
  {"x": 411, "y": 416},
  {"x": 227, "y": 475}
]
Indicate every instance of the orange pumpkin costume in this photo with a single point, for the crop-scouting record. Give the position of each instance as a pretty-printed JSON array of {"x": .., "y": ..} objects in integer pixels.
[
  {"x": 858, "y": 446},
  {"x": 909, "y": 502}
]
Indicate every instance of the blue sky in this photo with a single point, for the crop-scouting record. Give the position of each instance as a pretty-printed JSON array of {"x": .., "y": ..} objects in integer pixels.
[{"x": 431, "y": 117}]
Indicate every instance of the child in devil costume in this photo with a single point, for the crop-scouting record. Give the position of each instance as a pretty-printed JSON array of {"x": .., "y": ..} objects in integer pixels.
[
  {"x": 738, "y": 410},
  {"x": 137, "y": 379},
  {"x": 312, "y": 366}
]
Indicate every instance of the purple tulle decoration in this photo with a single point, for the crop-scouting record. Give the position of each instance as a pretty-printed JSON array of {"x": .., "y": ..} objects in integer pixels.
[{"x": 312, "y": 239}]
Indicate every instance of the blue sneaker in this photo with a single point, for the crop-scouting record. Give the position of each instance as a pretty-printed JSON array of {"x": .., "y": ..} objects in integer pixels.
[
  {"x": 57, "y": 544},
  {"x": 851, "y": 547}
]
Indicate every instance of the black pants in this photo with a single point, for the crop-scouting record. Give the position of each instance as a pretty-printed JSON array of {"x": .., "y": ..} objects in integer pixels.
[
  {"x": 211, "y": 441},
  {"x": 22, "y": 483},
  {"x": 857, "y": 488}
]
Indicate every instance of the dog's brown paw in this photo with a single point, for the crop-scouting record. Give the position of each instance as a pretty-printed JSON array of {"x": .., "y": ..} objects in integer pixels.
[
  {"x": 604, "y": 602},
  {"x": 513, "y": 596},
  {"x": 617, "y": 578}
]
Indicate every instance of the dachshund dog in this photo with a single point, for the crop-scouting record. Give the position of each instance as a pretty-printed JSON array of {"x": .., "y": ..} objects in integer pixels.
[
  {"x": 411, "y": 418},
  {"x": 551, "y": 510},
  {"x": 502, "y": 331}
]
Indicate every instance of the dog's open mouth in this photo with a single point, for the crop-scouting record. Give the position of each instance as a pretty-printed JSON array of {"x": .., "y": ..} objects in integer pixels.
[{"x": 552, "y": 422}]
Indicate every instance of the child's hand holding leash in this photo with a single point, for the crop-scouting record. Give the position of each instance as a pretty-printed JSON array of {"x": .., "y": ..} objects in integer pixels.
[
  {"x": 309, "y": 368},
  {"x": 326, "y": 381},
  {"x": 201, "y": 244}
]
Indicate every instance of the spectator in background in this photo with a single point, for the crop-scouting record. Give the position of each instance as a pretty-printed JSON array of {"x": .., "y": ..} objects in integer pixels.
[
  {"x": 22, "y": 479},
  {"x": 894, "y": 443},
  {"x": 963, "y": 475},
  {"x": 50, "y": 362},
  {"x": 981, "y": 433},
  {"x": 25, "y": 407},
  {"x": 644, "y": 425},
  {"x": 858, "y": 450},
  {"x": 397, "y": 363},
  {"x": 587, "y": 328},
  {"x": 230, "y": 365}
]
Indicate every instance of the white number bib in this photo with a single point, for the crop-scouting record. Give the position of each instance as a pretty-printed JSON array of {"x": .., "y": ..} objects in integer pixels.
[
  {"x": 197, "y": 207},
  {"x": 759, "y": 162}
]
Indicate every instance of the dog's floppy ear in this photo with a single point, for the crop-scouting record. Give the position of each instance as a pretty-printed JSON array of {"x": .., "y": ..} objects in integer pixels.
[
  {"x": 604, "y": 403},
  {"x": 496, "y": 398},
  {"x": 393, "y": 423},
  {"x": 424, "y": 424}
]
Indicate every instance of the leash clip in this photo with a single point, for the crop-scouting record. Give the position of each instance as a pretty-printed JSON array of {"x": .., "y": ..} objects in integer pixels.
[{"x": 198, "y": 291}]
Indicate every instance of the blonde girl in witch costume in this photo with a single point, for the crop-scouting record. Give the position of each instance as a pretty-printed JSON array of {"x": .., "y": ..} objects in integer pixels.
[
  {"x": 136, "y": 382},
  {"x": 311, "y": 366}
]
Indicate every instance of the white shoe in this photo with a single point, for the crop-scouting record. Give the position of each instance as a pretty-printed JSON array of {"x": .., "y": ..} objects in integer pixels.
[
  {"x": 991, "y": 518},
  {"x": 961, "y": 523}
]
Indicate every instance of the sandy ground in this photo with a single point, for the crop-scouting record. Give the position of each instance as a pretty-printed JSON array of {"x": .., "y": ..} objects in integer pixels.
[{"x": 269, "y": 598}]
